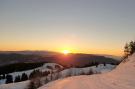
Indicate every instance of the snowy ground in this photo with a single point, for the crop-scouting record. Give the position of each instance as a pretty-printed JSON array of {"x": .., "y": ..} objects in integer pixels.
[
  {"x": 20, "y": 85},
  {"x": 42, "y": 68},
  {"x": 96, "y": 70},
  {"x": 123, "y": 77},
  {"x": 73, "y": 72}
]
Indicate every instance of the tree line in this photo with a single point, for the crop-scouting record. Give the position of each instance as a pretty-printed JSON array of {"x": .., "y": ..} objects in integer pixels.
[
  {"x": 129, "y": 49},
  {"x": 16, "y": 67}
]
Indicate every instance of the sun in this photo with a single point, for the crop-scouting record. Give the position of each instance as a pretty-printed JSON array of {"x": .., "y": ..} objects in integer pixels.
[{"x": 66, "y": 52}]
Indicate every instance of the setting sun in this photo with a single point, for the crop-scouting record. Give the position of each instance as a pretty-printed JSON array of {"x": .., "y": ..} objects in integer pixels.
[{"x": 66, "y": 52}]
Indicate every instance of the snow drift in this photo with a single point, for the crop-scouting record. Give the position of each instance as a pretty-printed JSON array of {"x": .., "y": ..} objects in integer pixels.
[{"x": 120, "y": 78}]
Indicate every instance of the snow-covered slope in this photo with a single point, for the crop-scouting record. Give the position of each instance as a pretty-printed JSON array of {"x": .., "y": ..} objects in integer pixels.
[
  {"x": 28, "y": 72},
  {"x": 94, "y": 69},
  {"x": 20, "y": 85},
  {"x": 71, "y": 71},
  {"x": 123, "y": 77}
]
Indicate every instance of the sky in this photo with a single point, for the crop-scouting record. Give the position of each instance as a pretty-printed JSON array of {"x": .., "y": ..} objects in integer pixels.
[{"x": 82, "y": 26}]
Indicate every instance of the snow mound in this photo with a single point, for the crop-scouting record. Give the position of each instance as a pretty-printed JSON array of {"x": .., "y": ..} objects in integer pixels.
[{"x": 120, "y": 78}]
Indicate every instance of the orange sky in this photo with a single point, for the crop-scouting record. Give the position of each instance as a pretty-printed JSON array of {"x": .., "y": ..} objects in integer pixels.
[{"x": 82, "y": 26}]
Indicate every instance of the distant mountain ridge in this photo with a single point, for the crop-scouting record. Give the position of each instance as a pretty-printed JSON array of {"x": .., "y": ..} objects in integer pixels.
[
  {"x": 28, "y": 52},
  {"x": 10, "y": 57},
  {"x": 50, "y": 53}
]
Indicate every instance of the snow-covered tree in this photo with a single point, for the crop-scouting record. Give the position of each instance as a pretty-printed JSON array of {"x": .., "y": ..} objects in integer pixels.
[
  {"x": 24, "y": 77},
  {"x": 17, "y": 79},
  {"x": 9, "y": 79}
]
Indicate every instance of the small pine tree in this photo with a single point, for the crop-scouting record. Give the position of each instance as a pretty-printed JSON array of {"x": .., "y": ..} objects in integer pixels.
[
  {"x": 9, "y": 79},
  {"x": 132, "y": 47},
  {"x": 126, "y": 50},
  {"x": 24, "y": 77},
  {"x": 3, "y": 76},
  {"x": 38, "y": 82},
  {"x": 50, "y": 67},
  {"x": 90, "y": 72},
  {"x": 35, "y": 73},
  {"x": 45, "y": 73},
  {"x": 17, "y": 79},
  {"x": 46, "y": 80},
  {"x": 32, "y": 74},
  {"x": 104, "y": 64},
  {"x": 129, "y": 49},
  {"x": 32, "y": 85}
]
